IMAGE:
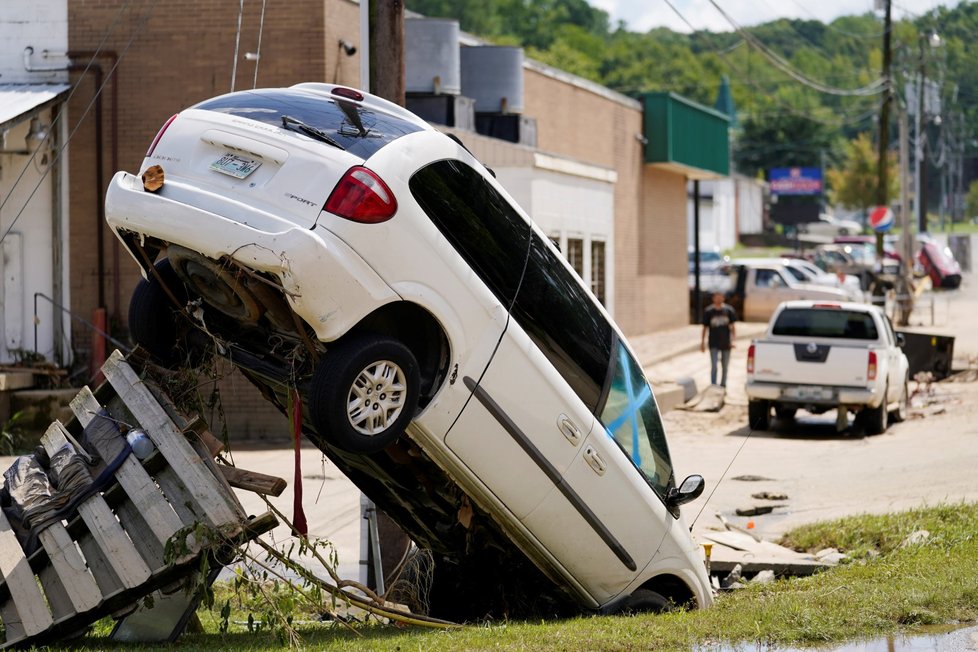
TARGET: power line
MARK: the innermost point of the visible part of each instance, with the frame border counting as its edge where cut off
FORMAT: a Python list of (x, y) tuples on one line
[(877, 87)]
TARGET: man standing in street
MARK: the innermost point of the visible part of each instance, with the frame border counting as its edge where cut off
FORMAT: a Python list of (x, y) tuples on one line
[(718, 321)]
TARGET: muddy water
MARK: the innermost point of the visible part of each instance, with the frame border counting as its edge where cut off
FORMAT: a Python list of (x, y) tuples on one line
[(932, 639)]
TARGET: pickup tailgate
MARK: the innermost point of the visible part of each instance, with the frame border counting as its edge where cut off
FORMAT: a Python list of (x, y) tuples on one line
[(812, 362)]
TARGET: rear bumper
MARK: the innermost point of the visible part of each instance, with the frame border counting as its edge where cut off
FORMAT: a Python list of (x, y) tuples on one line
[(807, 395), (327, 283)]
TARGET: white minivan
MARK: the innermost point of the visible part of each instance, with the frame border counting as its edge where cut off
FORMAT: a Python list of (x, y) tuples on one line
[(337, 248)]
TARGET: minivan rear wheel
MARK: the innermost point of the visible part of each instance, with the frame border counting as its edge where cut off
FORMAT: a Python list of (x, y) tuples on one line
[(156, 323), (364, 393)]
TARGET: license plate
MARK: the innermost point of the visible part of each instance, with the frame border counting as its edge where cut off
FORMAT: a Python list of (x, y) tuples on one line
[(809, 393), (236, 166)]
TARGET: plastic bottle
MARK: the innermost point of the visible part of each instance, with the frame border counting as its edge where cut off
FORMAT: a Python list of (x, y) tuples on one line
[(142, 446)]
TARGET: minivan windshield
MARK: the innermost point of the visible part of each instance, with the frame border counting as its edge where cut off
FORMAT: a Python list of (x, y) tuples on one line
[(348, 125), (631, 418)]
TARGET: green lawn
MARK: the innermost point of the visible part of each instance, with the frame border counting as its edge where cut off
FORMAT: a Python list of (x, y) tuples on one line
[(883, 589)]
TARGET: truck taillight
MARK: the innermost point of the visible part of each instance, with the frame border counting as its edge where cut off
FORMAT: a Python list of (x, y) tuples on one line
[(159, 134), (363, 197), (871, 366), (750, 359)]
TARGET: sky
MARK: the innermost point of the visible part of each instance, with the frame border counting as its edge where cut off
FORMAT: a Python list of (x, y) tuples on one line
[(642, 15)]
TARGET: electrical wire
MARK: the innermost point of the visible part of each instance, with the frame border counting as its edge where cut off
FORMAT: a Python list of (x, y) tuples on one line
[(261, 29), (237, 45), (877, 87)]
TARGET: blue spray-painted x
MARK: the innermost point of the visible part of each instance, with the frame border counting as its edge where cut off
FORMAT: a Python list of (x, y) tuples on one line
[(635, 402)]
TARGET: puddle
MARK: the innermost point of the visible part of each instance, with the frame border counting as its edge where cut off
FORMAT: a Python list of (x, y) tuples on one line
[(941, 638)]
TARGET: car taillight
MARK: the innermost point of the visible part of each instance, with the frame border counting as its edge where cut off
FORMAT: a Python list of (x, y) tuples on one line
[(750, 359), (361, 196), (159, 134), (871, 366)]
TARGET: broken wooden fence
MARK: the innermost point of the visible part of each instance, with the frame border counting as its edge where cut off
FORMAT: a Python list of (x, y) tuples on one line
[(138, 530)]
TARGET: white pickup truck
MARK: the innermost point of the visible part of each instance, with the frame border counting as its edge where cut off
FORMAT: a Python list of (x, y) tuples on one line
[(819, 356)]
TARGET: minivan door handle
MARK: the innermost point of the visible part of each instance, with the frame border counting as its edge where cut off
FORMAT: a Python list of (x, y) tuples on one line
[(594, 460), (569, 428)]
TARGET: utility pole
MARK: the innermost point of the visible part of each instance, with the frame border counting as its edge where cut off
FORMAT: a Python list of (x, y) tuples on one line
[(386, 27), (882, 198)]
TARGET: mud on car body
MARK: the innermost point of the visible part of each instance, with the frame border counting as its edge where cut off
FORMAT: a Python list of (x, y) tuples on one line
[(448, 359)]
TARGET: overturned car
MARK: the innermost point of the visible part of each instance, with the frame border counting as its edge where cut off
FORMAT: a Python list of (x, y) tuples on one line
[(338, 249)]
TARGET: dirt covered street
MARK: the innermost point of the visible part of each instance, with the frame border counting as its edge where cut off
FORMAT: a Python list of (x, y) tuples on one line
[(927, 460)]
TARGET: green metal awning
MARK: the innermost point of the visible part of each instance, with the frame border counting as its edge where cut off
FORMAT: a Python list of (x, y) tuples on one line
[(685, 137)]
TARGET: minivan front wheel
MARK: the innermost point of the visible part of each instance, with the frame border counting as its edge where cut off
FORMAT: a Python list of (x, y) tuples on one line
[(644, 601), (364, 393)]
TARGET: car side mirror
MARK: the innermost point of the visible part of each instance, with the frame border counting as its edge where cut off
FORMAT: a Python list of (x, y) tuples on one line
[(689, 490), (901, 340)]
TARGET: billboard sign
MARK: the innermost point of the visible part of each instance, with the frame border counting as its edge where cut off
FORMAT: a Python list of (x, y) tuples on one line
[(795, 181)]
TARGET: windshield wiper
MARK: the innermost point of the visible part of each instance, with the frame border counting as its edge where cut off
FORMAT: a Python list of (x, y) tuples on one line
[(289, 122)]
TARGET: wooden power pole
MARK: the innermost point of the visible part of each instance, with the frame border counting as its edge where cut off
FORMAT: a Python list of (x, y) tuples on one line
[(386, 28), (882, 197)]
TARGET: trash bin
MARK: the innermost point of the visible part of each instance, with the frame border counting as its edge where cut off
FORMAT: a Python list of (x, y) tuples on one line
[(929, 352)]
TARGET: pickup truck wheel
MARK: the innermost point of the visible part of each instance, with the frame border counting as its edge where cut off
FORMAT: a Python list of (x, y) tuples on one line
[(785, 413), (903, 406), (155, 322), (876, 419), (364, 393), (758, 415)]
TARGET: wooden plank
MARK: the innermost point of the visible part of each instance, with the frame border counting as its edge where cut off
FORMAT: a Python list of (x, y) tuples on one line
[(219, 507), (117, 549), (260, 483), (79, 586), (147, 500), (25, 613)]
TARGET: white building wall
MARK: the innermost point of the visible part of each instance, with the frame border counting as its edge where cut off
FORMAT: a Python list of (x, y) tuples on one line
[(728, 208), (31, 251), (41, 25)]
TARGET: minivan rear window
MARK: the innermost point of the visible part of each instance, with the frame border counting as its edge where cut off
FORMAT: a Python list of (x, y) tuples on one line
[(358, 130), (826, 322)]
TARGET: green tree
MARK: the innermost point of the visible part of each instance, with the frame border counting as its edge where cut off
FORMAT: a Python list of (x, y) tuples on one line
[(855, 184)]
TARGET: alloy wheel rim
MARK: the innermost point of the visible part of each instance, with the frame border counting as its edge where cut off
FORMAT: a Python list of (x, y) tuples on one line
[(377, 397)]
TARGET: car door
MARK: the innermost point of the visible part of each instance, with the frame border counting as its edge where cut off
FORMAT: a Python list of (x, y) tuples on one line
[(533, 407), (608, 518)]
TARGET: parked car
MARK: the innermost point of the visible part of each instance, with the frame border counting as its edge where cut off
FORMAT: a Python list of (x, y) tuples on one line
[(713, 272), (805, 271), (761, 285), (829, 227), (819, 356), (342, 252)]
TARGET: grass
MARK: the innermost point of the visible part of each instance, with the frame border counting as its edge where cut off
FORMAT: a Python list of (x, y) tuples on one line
[(883, 589)]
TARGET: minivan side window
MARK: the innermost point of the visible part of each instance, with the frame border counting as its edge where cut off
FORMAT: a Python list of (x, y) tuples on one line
[(553, 308)]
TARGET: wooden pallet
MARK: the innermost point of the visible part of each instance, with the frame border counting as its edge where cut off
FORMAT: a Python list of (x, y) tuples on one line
[(109, 551)]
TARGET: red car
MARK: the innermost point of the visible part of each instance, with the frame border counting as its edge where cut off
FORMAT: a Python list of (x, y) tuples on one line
[(943, 270)]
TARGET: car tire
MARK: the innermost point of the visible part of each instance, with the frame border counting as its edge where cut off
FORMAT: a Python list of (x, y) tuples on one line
[(155, 322), (644, 601), (364, 393), (759, 415), (785, 413), (903, 405), (875, 420), (843, 231)]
